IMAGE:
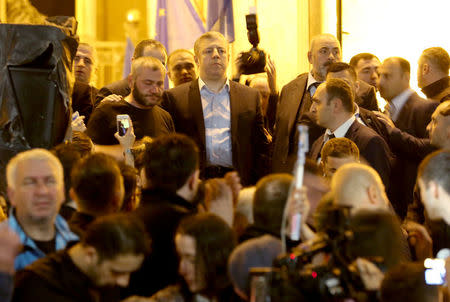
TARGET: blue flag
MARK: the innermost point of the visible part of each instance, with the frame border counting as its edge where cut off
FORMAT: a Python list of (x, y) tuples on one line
[(178, 24), (220, 18)]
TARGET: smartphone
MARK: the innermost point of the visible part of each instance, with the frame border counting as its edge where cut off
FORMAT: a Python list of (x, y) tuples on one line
[(434, 271), (123, 123)]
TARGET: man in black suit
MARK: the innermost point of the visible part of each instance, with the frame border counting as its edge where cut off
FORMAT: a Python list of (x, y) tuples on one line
[(118, 89), (223, 117), (411, 114), (432, 74), (333, 108), (295, 101), (346, 72)]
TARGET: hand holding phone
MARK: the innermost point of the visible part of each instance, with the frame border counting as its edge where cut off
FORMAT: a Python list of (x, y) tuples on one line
[(123, 124)]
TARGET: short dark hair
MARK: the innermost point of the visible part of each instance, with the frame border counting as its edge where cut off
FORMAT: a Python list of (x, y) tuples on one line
[(377, 233), (436, 167), (269, 200), (339, 147), (68, 154), (82, 142), (169, 160), (337, 88), (129, 175), (361, 56), (406, 282), (95, 179), (214, 242), (341, 66), (438, 57), (117, 234), (140, 47), (181, 50)]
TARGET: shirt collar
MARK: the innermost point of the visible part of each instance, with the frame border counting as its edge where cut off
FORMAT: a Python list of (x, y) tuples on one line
[(311, 81), (202, 84), (401, 99), (342, 129)]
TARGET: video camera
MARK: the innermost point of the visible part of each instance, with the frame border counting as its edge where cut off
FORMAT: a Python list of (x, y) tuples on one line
[(254, 60), (295, 278)]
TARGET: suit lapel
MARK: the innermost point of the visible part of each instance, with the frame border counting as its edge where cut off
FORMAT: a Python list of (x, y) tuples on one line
[(235, 109), (350, 134), (195, 104), (402, 119), (297, 99)]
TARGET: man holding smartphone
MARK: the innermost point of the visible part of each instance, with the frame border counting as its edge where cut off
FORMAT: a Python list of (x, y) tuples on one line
[(146, 81)]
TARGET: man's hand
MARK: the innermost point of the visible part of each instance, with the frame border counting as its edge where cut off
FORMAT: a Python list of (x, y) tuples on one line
[(370, 274), (389, 124), (234, 182), (78, 122), (271, 75), (112, 98), (419, 239), (10, 246), (126, 141)]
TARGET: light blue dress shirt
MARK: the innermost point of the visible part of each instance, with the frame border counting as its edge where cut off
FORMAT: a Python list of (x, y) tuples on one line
[(217, 116)]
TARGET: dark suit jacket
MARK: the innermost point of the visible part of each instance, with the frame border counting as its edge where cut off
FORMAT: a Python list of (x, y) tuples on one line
[(372, 148), (412, 119), (83, 98), (248, 140), (415, 115), (292, 104), (119, 87), (366, 97)]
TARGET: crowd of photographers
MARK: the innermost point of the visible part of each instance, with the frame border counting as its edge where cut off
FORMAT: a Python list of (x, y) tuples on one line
[(188, 194)]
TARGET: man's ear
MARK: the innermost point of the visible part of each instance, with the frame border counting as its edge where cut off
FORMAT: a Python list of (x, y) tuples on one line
[(130, 81), (372, 194), (91, 255), (309, 57), (72, 194), (197, 61), (426, 69), (193, 179), (356, 87), (10, 192)]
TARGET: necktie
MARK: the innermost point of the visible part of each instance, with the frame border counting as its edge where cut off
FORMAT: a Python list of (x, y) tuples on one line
[(389, 109), (330, 136)]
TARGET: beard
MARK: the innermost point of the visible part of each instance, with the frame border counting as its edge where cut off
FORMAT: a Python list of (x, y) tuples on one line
[(143, 99)]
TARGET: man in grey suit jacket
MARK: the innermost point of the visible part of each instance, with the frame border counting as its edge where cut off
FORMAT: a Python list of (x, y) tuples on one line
[(223, 117)]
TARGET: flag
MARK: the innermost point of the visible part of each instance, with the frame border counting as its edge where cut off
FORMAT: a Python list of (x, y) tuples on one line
[(129, 51), (178, 24), (220, 18)]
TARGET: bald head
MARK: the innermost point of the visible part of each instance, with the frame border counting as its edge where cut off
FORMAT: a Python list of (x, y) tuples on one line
[(324, 50), (358, 186)]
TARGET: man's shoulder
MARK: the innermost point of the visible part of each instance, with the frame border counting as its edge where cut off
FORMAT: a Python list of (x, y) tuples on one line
[(300, 80), (116, 86), (181, 89)]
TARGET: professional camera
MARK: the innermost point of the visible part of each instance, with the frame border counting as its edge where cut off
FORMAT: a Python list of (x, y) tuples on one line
[(254, 60), (295, 278)]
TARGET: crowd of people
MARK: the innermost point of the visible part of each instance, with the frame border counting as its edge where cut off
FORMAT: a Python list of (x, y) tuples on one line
[(194, 194)]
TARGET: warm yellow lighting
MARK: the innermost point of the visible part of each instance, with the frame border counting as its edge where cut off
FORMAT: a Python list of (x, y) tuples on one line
[(133, 16), (389, 28)]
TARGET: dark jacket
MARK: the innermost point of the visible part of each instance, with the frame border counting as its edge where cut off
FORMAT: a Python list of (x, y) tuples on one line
[(57, 278), (438, 91), (161, 212)]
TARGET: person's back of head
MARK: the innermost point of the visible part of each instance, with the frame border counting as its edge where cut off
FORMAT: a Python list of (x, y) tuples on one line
[(82, 142), (214, 241), (406, 282), (150, 47), (378, 234), (170, 161), (357, 185), (270, 197), (68, 155), (97, 185), (336, 152), (438, 57), (130, 184), (434, 183)]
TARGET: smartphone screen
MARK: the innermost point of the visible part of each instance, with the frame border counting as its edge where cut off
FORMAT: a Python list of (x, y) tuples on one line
[(122, 125), (434, 271)]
